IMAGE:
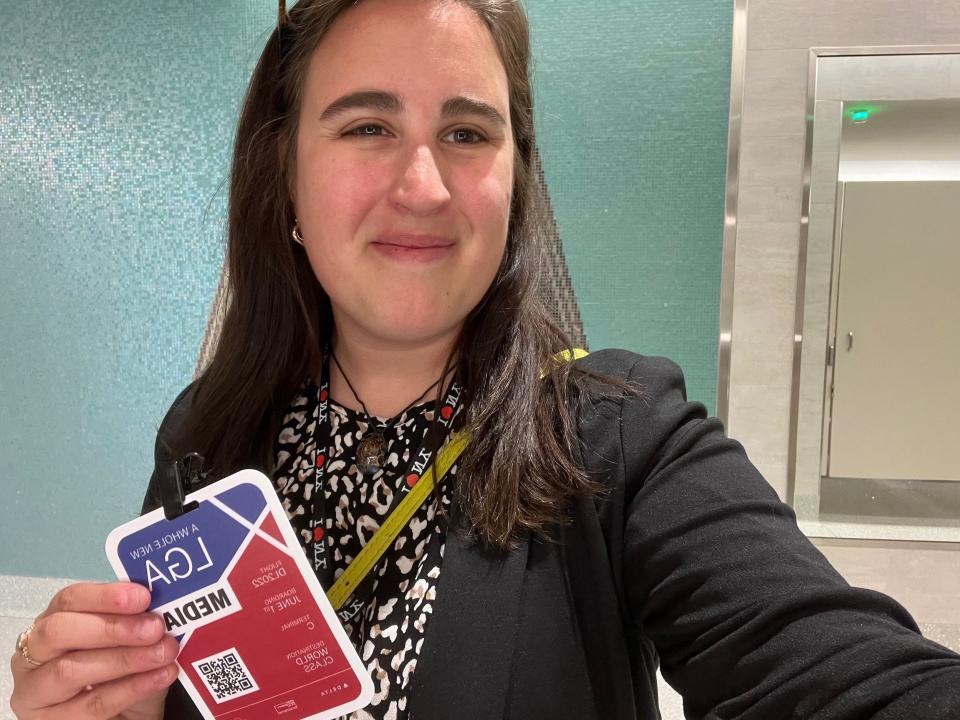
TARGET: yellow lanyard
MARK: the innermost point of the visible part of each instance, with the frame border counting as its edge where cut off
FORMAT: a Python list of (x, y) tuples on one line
[(367, 558)]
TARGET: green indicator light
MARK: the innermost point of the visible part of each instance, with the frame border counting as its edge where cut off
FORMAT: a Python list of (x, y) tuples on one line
[(860, 116)]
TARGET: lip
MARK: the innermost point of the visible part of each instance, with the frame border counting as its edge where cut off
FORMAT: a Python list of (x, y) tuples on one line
[(413, 248), (413, 242)]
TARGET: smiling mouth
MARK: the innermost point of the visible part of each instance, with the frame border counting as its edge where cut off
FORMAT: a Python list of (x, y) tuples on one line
[(416, 249), (413, 242)]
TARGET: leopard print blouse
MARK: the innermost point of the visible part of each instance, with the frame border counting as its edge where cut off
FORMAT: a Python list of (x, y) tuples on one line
[(389, 633)]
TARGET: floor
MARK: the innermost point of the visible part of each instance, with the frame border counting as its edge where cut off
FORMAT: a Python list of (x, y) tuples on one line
[(923, 577)]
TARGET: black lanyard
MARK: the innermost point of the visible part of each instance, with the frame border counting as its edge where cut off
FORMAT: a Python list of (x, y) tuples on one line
[(418, 463)]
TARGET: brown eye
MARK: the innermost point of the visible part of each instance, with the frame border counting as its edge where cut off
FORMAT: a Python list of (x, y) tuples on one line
[(465, 136), (366, 131)]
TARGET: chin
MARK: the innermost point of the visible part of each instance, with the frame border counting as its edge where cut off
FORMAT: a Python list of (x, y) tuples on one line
[(410, 326), (421, 332)]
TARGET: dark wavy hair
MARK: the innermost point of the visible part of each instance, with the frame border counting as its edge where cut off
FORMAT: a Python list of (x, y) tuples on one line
[(518, 473)]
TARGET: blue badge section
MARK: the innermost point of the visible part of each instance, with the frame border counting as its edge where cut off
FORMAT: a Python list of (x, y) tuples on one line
[(246, 500), (179, 557)]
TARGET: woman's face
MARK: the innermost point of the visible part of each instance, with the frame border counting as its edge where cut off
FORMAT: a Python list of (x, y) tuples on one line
[(404, 167)]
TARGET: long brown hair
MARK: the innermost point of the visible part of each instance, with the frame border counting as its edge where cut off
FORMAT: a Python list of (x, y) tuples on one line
[(518, 472)]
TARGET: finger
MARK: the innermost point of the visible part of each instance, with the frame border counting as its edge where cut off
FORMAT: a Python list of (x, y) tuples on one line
[(124, 598), (62, 678), (64, 632), (112, 698)]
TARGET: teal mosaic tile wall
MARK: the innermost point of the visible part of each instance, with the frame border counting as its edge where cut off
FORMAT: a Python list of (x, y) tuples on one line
[(115, 131)]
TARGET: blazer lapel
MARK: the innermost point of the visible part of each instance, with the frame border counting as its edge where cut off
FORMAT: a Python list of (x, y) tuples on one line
[(463, 672)]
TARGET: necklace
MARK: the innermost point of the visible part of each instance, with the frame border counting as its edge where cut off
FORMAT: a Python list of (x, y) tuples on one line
[(418, 465), (373, 447)]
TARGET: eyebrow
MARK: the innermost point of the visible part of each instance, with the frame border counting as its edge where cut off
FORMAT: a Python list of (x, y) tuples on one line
[(373, 99), (461, 105), (384, 101)]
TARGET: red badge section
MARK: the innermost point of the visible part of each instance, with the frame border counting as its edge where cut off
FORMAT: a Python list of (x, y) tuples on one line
[(278, 655)]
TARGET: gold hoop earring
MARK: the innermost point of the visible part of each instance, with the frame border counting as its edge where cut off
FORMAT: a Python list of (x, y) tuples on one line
[(295, 233)]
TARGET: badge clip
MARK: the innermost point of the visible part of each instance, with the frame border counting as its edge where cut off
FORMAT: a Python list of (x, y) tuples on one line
[(186, 474)]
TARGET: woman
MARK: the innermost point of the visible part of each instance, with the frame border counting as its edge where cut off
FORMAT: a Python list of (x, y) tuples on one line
[(383, 254)]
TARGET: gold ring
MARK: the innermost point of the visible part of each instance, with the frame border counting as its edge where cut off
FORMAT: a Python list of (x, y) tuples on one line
[(22, 639)]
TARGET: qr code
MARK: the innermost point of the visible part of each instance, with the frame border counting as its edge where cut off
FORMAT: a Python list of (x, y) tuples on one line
[(225, 675)]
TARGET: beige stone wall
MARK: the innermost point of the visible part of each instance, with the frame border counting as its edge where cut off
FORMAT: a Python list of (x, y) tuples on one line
[(780, 34)]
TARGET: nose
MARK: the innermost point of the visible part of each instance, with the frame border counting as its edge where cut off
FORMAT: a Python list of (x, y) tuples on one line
[(420, 188)]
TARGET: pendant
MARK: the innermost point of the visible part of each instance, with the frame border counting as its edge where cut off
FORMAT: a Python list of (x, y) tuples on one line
[(370, 452)]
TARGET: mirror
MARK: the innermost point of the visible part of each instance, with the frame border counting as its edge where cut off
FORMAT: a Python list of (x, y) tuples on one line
[(877, 441)]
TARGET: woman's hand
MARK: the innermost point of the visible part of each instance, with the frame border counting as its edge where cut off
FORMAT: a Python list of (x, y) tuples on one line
[(100, 656)]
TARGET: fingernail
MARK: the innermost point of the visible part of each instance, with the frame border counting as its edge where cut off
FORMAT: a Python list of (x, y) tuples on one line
[(165, 675), (157, 653), (133, 598), (149, 627)]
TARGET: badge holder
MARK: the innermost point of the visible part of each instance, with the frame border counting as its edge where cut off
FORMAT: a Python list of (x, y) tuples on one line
[(259, 639), (183, 476)]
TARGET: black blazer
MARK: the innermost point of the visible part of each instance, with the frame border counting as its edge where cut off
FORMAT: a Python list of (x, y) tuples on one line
[(689, 558)]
